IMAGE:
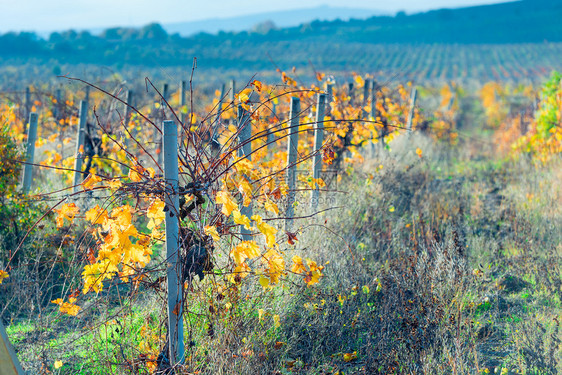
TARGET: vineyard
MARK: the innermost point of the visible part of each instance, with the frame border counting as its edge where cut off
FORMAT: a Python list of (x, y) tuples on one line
[(370, 226)]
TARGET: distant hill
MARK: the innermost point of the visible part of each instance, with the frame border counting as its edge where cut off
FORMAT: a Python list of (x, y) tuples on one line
[(493, 41), (280, 19)]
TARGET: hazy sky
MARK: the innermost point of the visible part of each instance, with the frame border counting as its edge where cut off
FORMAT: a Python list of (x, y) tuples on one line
[(45, 15)]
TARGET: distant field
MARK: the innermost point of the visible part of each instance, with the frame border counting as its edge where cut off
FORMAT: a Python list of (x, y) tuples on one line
[(422, 63)]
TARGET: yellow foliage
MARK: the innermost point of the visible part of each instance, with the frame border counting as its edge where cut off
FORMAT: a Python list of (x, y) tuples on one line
[(67, 211), (271, 207), (245, 250), (275, 265), (67, 307), (3, 275), (241, 219), (227, 201), (267, 230), (155, 212), (97, 215), (211, 230), (90, 181)]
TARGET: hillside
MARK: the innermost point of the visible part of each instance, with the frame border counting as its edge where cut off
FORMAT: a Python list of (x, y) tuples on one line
[(287, 18), (503, 41)]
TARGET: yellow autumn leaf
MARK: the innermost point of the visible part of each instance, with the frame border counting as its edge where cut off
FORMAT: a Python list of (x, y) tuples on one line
[(94, 274), (419, 152), (135, 174), (348, 357), (315, 273), (276, 321), (246, 189), (261, 312), (67, 211), (244, 95), (240, 271), (114, 184), (155, 212), (151, 172), (298, 265), (90, 181), (359, 80), (245, 250), (257, 84), (227, 201), (97, 215), (241, 219), (58, 364), (67, 307), (264, 281), (271, 207), (275, 265), (122, 216), (3, 275), (267, 230), (211, 230)]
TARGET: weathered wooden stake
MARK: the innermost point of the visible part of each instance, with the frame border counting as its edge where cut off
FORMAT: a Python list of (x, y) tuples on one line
[(413, 99), (318, 140), (83, 116), (244, 135), (31, 138), (329, 98), (175, 302), (232, 90), (27, 102), (350, 93), (366, 92), (9, 362), (165, 91), (292, 156)]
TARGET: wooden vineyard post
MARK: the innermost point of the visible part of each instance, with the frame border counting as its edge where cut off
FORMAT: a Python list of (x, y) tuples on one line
[(329, 98), (127, 116), (160, 117), (9, 363), (174, 284), (165, 92), (30, 155), (292, 155), (245, 150), (232, 90), (413, 99), (366, 91), (27, 102), (318, 140), (83, 115), (350, 93), (58, 107)]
